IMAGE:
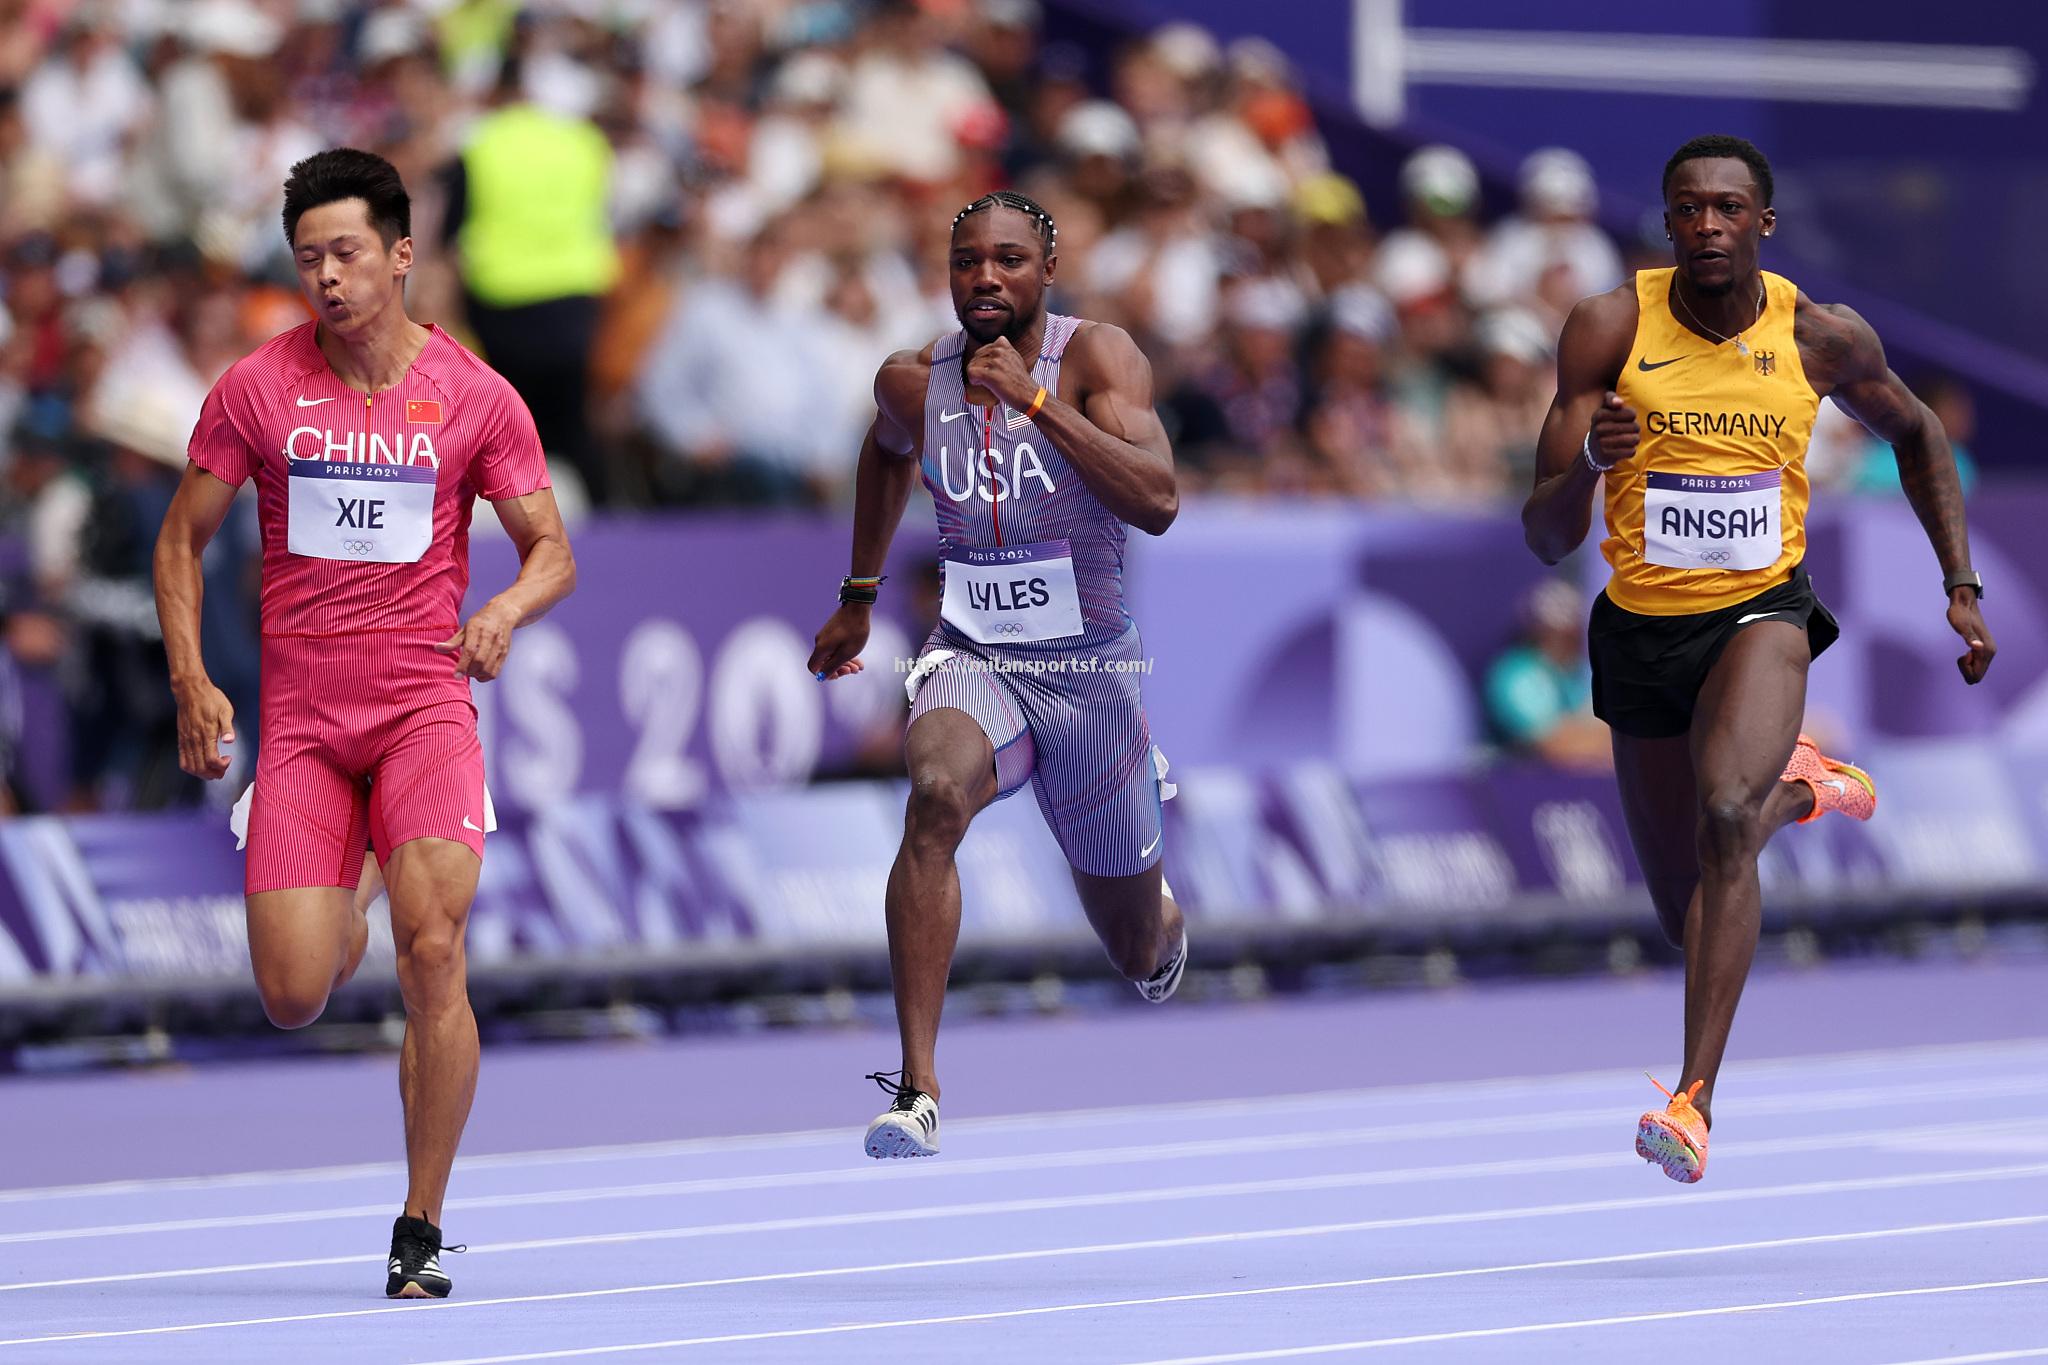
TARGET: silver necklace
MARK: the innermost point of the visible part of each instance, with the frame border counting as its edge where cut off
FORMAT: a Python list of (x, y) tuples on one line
[(1740, 345)]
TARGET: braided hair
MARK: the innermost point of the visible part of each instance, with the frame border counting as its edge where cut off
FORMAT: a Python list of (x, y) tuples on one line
[(1048, 232)]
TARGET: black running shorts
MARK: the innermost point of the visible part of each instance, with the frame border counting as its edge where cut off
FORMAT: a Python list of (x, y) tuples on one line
[(1648, 670)]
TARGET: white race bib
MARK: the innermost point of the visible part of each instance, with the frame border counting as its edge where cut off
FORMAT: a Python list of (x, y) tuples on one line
[(1013, 594), (1707, 521), (380, 513)]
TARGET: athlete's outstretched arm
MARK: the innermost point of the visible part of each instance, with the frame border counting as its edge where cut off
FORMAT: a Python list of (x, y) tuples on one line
[(881, 489), (1114, 439), (547, 574), (205, 719), (1585, 414), (1851, 360)]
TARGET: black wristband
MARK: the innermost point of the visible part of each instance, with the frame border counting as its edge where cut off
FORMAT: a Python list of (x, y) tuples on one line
[(865, 593), (1962, 578)]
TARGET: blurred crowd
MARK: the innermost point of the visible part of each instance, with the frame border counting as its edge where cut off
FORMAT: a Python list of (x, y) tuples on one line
[(690, 230)]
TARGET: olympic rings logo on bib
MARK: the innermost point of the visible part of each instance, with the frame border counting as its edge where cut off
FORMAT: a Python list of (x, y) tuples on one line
[(358, 547)]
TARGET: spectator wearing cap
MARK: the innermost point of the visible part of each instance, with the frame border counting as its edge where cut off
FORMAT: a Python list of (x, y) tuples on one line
[(1552, 251), (1440, 194), (124, 731), (1099, 149), (1539, 691), (1336, 235)]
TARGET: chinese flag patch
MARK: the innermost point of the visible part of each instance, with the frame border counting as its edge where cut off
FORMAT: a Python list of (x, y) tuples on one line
[(422, 410)]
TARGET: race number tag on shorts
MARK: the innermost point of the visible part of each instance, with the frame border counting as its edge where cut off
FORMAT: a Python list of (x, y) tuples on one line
[(1013, 594), (381, 513), (1706, 521)]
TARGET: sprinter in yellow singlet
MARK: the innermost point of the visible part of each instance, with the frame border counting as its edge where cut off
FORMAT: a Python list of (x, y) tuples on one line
[(1692, 391)]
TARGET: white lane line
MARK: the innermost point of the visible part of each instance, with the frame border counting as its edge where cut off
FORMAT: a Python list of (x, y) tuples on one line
[(1982, 1357), (1157, 1244), (1350, 1180), (1503, 1124), (1474, 1093), (1522, 1329), (1247, 1293)]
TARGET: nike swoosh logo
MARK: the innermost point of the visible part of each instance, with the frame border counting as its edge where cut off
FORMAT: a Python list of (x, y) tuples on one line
[(305, 402), (1837, 784), (467, 824), (951, 416), (1757, 616), (1146, 851), (1643, 363)]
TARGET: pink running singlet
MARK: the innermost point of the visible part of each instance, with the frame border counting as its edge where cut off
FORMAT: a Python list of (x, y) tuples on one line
[(364, 500)]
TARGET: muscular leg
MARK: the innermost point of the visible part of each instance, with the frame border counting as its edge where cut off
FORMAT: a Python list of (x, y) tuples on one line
[(301, 945), (432, 882), (1744, 725), (952, 777), (1133, 917)]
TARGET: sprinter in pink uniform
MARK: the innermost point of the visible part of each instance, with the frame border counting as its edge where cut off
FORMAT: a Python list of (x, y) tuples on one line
[(369, 438)]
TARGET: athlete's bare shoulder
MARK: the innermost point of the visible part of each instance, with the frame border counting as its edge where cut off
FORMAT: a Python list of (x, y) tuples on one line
[(1098, 344), (901, 383), (900, 387), (1836, 346), (1596, 339)]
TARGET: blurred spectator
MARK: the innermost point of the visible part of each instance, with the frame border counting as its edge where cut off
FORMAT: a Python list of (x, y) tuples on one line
[(1552, 251), (1539, 692), (1161, 273), (690, 230), (1370, 443), (734, 391), (908, 98), (1490, 426), (1440, 194), (528, 205), (1232, 410), (83, 102), (124, 733)]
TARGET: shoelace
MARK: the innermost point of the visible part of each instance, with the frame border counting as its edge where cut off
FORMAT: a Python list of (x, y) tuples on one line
[(1692, 1093), (904, 1092), (414, 1251)]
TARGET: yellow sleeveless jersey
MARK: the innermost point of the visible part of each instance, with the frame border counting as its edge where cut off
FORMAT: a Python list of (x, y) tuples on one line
[(1711, 509)]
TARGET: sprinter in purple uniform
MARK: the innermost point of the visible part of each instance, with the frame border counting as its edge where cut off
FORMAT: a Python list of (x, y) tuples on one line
[(1036, 435)]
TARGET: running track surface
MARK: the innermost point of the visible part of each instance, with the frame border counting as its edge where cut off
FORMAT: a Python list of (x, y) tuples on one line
[(1433, 1177)]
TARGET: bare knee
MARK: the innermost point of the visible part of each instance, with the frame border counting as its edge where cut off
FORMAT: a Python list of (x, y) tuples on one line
[(1731, 829), (431, 965), (1134, 953), (936, 819), (292, 999)]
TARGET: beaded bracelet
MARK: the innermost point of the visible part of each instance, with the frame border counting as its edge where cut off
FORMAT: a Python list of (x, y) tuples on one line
[(865, 591)]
